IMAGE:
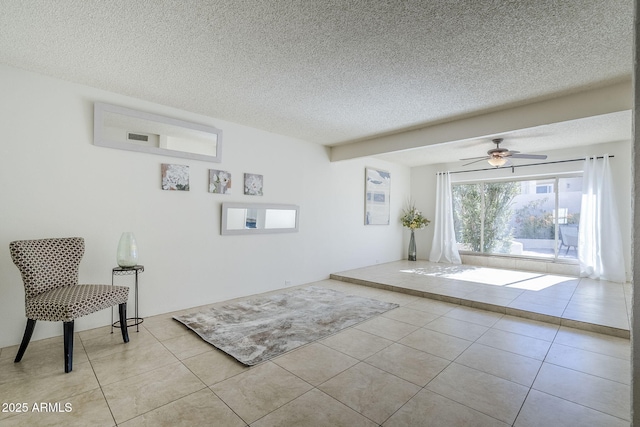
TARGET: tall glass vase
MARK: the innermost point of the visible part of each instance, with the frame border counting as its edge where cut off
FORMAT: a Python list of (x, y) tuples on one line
[(412, 247), (127, 250)]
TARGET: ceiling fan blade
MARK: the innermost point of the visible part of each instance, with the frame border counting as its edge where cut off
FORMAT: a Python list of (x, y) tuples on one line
[(476, 158), (529, 156), (475, 161)]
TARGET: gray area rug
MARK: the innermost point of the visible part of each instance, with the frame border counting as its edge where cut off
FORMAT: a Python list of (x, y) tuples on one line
[(261, 328)]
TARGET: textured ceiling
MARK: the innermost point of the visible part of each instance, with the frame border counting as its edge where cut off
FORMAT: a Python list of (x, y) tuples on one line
[(325, 71)]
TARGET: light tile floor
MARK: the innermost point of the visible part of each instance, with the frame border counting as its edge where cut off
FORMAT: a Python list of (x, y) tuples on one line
[(583, 303), (426, 363)]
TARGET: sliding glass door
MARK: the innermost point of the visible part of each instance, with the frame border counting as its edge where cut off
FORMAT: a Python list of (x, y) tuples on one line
[(533, 218)]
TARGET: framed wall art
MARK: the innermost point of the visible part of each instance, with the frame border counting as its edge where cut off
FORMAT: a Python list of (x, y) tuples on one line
[(219, 182), (377, 192), (175, 177), (253, 184)]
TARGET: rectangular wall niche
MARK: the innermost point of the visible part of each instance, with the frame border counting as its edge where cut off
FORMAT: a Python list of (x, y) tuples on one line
[(259, 218), (127, 129)]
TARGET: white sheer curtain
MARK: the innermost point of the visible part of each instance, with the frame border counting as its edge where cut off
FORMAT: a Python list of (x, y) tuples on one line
[(444, 247), (599, 238)]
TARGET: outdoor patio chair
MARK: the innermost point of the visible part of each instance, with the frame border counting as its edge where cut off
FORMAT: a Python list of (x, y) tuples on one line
[(568, 237)]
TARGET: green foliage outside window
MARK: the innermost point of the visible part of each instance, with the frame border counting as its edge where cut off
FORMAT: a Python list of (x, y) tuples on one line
[(468, 214), (467, 208), (532, 222)]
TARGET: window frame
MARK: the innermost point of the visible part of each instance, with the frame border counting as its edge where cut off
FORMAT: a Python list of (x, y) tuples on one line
[(537, 177)]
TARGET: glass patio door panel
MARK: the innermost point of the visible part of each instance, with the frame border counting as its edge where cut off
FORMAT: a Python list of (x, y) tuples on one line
[(569, 203), (482, 214), (467, 216), (498, 215), (533, 218)]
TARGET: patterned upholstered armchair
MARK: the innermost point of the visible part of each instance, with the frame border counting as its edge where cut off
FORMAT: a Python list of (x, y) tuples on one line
[(49, 269)]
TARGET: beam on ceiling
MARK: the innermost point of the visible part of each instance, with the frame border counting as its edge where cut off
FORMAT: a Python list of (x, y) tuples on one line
[(603, 100)]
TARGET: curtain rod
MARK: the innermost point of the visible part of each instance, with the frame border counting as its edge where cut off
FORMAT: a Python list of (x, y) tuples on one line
[(530, 164)]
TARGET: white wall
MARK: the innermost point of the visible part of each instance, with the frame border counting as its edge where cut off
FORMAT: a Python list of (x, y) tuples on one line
[(347, 216), (423, 183), (56, 183), (423, 194)]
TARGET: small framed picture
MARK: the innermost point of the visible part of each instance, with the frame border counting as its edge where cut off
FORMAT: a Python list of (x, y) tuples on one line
[(219, 182), (175, 177), (253, 184)]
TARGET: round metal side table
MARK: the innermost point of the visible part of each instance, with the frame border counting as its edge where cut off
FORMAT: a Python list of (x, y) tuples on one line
[(125, 271)]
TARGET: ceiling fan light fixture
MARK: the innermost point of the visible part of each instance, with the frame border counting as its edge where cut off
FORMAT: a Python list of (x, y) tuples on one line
[(497, 157), (497, 161)]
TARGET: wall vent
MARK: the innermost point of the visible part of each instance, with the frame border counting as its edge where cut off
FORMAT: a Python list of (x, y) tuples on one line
[(137, 136)]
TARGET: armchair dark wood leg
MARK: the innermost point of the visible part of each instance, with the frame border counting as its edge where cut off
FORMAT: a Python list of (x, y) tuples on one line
[(31, 324), (122, 309), (68, 346)]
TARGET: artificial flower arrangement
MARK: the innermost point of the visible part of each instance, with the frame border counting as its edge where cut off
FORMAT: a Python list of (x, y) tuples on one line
[(412, 218)]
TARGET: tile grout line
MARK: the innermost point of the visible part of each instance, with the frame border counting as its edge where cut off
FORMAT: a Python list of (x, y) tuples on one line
[(424, 388), (106, 401), (396, 341), (553, 341), (536, 376), (578, 324)]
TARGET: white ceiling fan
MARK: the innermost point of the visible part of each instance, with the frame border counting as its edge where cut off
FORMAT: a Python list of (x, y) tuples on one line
[(501, 156)]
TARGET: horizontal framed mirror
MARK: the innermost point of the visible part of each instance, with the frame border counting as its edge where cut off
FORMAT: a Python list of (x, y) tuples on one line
[(259, 218), (133, 130)]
